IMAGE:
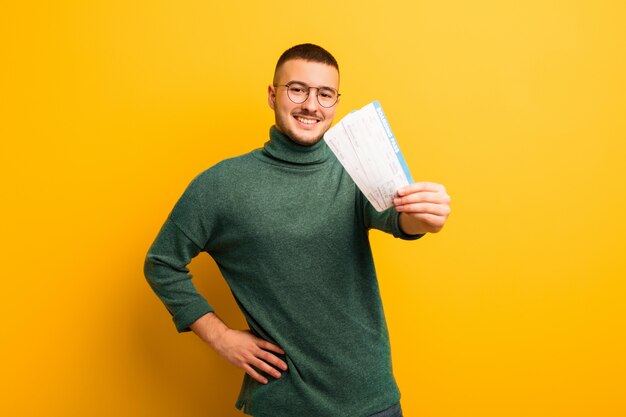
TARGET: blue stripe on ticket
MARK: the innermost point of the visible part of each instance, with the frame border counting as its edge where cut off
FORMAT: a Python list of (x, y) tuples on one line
[(392, 140)]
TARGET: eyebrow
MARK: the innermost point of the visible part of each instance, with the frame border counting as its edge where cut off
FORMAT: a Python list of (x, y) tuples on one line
[(302, 82)]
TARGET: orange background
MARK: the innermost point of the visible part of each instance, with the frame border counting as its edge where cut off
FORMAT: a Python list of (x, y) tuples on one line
[(110, 108)]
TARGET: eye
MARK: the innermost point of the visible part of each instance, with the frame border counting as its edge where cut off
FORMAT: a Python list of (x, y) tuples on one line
[(327, 93), (297, 88)]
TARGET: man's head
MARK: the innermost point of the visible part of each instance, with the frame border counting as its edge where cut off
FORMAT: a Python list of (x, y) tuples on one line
[(304, 118)]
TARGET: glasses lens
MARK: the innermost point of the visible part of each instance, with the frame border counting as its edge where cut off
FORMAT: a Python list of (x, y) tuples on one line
[(327, 96), (297, 92)]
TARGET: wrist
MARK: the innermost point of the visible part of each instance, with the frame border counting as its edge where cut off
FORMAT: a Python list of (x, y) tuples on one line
[(410, 226), (209, 328)]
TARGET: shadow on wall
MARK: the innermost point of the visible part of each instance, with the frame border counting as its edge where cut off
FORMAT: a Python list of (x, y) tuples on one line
[(185, 374)]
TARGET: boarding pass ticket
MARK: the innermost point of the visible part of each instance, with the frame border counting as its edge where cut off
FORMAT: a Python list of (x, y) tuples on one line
[(366, 147)]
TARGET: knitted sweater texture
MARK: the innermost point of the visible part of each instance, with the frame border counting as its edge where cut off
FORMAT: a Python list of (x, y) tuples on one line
[(288, 230)]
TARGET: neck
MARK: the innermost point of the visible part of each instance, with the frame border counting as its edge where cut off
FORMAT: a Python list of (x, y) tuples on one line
[(282, 147)]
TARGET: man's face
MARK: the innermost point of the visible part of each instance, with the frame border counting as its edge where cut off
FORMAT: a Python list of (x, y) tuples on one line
[(304, 123)]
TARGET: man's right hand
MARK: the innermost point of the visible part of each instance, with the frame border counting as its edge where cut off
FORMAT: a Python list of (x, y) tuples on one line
[(241, 348)]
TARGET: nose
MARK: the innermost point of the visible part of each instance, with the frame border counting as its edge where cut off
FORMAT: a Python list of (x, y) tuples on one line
[(310, 104)]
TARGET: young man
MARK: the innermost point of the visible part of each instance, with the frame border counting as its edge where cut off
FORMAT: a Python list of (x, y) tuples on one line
[(288, 229)]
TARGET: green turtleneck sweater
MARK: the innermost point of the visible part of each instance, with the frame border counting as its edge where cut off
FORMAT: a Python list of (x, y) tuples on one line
[(288, 230)]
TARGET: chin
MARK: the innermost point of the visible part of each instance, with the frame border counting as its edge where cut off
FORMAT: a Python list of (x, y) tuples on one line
[(299, 135), (306, 140)]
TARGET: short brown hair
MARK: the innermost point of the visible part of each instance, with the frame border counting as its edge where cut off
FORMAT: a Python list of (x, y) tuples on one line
[(307, 52)]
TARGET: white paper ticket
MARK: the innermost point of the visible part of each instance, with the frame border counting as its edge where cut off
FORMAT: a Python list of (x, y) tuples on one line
[(366, 147)]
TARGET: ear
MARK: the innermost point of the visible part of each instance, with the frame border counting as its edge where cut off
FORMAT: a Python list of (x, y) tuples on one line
[(271, 96)]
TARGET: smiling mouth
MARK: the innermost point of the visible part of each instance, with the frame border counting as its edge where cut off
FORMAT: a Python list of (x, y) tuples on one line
[(306, 121)]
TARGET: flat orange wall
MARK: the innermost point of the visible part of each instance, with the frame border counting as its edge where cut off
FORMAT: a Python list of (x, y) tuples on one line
[(110, 108)]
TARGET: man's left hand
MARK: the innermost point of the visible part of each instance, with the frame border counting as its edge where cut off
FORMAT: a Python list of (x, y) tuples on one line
[(423, 206)]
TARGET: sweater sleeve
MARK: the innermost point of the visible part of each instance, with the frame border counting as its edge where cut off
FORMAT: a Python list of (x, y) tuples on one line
[(387, 221), (166, 270), (181, 238)]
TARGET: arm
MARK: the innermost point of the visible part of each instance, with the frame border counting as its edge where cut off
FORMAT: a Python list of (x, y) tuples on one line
[(240, 348), (423, 207), (167, 273)]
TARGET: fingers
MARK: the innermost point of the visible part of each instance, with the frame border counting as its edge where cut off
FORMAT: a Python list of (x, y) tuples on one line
[(422, 197), (425, 207), (420, 187), (435, 209), (268, 357), (263, 365), (262, 360), (254, 374), (251, 353), (264, 344)]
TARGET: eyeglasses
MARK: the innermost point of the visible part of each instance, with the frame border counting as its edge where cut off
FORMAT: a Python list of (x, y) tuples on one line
[(299, 93)]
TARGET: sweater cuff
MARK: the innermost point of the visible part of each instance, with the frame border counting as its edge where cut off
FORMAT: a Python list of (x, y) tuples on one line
[(399, 233), (186, 316)]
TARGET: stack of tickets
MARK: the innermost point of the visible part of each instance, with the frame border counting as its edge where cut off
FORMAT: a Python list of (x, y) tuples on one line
[(366, 147)]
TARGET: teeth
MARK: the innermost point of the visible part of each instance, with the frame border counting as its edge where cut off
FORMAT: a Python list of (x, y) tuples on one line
[(306, 121)]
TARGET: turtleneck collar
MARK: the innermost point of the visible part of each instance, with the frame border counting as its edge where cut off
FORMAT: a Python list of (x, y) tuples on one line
[(282, 148)]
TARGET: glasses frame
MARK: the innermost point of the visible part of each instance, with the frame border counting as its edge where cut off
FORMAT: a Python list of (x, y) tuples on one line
[(308, 93)]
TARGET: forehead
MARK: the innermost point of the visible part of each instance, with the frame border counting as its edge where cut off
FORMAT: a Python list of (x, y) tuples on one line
[(312, 73)]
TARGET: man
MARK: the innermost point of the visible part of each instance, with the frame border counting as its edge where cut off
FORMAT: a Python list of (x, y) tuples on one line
[(288, 229)]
